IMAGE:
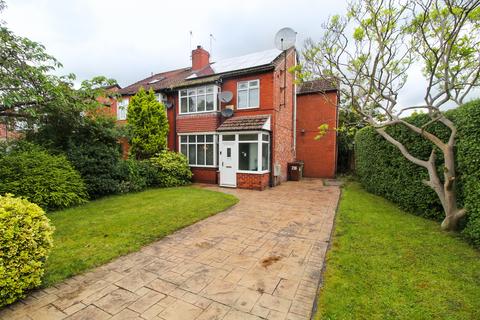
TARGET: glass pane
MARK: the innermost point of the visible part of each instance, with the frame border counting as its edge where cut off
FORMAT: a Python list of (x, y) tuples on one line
[(242, 99), (248, 137), (210, 105), (200, 154), (243, 85), (265, 157), (210, 89), (201, 91), (183, 149), (183, 138), (253, 98), (248, 156), (183, 92), (201, 103), (201, 138), (192, 154), (265, 137), (191, 138), (230, 137), (183, 105), (209, 153), (229, 152), (192, 104), (192, 92), (209, 137), (253, 83)]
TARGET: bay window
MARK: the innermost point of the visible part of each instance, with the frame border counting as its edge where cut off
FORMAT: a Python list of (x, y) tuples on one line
[(199, 149), (254, 152), (200, 99), (248, 94)]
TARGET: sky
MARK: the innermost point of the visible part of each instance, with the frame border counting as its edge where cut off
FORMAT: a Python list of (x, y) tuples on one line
[(129, 40)]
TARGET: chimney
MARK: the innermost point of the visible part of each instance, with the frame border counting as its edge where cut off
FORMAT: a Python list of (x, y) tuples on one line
[(200, 58)]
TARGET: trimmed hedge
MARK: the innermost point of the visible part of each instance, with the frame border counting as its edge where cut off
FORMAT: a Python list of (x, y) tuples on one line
[(384, 171), (25, 242), (47, 180)]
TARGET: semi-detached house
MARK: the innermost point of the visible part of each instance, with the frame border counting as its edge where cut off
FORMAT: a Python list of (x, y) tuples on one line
[(274, 121)]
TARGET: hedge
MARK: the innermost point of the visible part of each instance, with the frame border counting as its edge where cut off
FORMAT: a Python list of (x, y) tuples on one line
[(384, 171)]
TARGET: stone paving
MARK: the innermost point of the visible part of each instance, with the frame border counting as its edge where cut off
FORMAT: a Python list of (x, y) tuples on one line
[(261, 259)]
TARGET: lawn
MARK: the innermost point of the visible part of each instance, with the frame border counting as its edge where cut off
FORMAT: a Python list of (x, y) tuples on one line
[(387, 264), (95, 233)]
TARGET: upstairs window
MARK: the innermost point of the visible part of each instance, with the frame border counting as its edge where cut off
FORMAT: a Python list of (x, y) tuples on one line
[(248, 94), (200, 99), (122, 108)]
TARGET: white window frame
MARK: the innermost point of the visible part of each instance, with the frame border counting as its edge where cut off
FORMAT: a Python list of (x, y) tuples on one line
[(122, 108), (260, 143), (215, 145), (215, 98), (248, 93)]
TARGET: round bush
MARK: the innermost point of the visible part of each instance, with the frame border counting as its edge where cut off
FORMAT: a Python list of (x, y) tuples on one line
[(47, 180), (25, 241), (172, 169)]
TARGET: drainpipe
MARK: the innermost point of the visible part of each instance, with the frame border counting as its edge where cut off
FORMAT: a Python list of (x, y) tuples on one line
[(295, 109)]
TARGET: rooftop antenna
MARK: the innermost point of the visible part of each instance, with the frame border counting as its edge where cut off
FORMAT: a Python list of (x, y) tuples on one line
[(284, 40), (191, 36), (212, 38)]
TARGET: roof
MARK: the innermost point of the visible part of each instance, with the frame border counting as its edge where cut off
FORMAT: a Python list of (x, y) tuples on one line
[(320, 85), (243, 123), (254, 62)]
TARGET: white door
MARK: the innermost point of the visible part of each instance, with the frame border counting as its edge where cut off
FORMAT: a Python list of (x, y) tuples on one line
[(228, 163)]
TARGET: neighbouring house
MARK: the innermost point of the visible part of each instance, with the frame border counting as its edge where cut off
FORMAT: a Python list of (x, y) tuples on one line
[(240, 121)]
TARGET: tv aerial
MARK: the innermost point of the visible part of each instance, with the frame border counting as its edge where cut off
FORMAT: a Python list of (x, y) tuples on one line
[(227, 113), (225, 96), (285, 38)]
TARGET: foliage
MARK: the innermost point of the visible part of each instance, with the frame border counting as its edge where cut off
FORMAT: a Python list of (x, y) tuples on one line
[(93, 234), (131, 176), (47, 180), (172, 169), (386, 264), (25, 242), (383, 170), (147, 125)]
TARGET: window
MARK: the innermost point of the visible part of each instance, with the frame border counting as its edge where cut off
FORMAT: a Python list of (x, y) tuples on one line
[(201, 99), (122, 108), (248, 94), (253, 152), (199, 149)]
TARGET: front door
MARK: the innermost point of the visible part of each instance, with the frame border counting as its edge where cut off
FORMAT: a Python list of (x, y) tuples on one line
[(228, 164)]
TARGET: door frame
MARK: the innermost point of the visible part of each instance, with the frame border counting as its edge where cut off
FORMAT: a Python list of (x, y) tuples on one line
[(221, 146)]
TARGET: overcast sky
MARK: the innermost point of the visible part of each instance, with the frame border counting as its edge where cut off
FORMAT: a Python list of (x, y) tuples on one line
[(129, 39)]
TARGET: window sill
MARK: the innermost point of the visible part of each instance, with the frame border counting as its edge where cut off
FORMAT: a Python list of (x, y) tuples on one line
[(194, 113), (253, 172), (248, 108), (201, 166)]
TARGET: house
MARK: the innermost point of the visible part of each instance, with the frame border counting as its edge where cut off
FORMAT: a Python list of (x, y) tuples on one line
[(240, 121)]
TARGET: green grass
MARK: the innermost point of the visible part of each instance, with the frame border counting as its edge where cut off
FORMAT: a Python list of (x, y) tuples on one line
[(387, 264), (95, 233)]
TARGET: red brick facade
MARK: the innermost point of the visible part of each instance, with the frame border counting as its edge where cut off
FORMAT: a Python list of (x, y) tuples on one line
[(319, 156), (204, 175), (206, 122), (253, 181)]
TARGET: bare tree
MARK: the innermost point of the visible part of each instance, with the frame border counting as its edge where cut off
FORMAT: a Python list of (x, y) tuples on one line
[(371, 50)]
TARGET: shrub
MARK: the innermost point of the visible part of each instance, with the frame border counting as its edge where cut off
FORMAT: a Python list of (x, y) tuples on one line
[(172, 169), (25, 241), (47, 180), (130, 176), (383, 170)]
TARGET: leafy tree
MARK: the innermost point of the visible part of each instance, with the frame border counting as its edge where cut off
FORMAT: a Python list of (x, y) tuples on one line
[(371, 50), (147, 125)]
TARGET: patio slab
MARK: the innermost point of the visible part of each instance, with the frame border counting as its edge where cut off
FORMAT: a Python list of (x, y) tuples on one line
[(261, 259)]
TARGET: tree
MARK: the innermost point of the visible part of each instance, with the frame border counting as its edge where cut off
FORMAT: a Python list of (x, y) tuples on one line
[(371, 50), (147, 125)]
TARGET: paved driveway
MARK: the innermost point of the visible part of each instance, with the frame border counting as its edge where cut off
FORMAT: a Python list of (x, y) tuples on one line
[(261, 259)]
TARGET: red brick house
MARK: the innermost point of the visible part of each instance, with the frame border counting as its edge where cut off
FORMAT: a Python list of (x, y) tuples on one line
[(273, 122)]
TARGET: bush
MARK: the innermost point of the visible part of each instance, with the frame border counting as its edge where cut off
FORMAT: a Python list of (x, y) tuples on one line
[(171, 169), (25, 241), (47, 180), (383, 170), (131, 176)]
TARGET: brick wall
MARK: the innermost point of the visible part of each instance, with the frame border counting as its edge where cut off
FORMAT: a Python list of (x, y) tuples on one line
[(204, 175), (204, 122), (319, 155), (252, 181)]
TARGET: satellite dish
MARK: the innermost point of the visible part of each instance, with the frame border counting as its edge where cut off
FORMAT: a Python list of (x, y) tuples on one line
[(168, 104), (227, 113), (225, 96), (285, 38)]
